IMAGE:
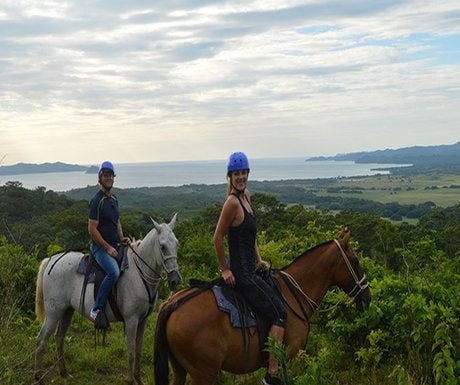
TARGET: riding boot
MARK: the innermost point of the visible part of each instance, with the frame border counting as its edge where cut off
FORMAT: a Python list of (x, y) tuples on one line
[(270, 380)]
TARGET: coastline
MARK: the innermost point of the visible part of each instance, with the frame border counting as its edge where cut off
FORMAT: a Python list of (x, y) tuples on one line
[(134, 175)]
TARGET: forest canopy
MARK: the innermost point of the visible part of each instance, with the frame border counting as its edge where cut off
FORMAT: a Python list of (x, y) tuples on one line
[(409, 335)]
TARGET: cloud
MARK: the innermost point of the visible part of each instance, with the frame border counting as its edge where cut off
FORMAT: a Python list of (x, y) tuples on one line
[(206, 72)]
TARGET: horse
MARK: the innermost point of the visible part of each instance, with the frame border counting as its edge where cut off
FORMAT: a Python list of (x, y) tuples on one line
[(199, 340), (59, 291)]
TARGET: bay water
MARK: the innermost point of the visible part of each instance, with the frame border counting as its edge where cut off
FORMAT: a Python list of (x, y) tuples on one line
[(154, 174)]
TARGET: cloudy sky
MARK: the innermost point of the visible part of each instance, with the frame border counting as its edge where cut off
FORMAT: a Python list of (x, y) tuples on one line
[(145, 80)]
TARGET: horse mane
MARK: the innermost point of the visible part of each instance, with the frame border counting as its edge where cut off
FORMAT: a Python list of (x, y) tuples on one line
[(305, 253)]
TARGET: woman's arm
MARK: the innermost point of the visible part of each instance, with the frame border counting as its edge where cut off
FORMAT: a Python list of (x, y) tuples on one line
[(226, 218), (259, 261)]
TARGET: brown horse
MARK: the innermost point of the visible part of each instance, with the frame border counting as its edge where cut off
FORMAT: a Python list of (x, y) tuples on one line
[(199, 340)]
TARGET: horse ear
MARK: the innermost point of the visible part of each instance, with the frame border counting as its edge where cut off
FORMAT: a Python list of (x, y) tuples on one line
[(156, 225), (173, 221), (344, 236)]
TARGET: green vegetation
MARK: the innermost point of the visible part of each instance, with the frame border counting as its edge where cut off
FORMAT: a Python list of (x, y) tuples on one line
[(390, 196), (409, 335)]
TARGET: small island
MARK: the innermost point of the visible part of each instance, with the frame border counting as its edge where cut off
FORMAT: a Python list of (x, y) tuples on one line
[(30, 168)]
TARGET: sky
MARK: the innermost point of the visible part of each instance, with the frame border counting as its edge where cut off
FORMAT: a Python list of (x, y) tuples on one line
[(143, 80)]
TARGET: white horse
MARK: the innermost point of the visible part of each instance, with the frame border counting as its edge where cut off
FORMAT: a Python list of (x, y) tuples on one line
[(59, 289)]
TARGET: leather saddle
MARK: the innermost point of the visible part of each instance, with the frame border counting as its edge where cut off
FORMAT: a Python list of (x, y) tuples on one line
[(242, 315), (94, 273)]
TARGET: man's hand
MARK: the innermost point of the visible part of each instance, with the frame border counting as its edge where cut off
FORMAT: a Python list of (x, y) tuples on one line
[(112, 251)]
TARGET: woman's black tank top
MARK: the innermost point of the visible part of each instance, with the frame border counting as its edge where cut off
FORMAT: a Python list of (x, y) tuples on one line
[(241, 241)]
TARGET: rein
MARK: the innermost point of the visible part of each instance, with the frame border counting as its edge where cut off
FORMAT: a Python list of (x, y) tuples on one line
[(148, 279), (294, 287)]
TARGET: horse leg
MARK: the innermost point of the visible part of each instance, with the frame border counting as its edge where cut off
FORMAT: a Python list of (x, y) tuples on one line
[(131, 326), (137, 357), (48, 327), (207, 379), (64, 324), (179, 372), (204, 374)]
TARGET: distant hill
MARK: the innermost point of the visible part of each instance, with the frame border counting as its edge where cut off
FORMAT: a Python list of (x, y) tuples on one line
[(419, 156), (30, 168)]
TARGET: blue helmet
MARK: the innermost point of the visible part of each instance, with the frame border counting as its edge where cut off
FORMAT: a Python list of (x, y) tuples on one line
[(237, 161), (106, 165)]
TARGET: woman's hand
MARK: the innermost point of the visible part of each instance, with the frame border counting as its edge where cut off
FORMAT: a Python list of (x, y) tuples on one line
[(263, 264), (228, 277)]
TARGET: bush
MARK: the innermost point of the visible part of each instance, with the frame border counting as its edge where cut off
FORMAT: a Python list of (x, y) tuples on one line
[(17, 281)]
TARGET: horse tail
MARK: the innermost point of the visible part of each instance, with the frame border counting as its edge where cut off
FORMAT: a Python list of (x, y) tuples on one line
[(161, 350), (39, 299)]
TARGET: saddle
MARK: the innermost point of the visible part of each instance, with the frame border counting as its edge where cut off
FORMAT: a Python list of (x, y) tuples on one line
[(240, 312), (93, 273)]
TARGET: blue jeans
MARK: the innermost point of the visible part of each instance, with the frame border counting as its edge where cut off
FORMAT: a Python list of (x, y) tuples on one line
[(110, 266)]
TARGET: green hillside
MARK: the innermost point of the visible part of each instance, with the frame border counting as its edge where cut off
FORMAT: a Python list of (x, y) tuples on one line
[(409, 335)]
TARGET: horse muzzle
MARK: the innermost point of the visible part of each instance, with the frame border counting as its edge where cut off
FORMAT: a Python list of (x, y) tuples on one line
[(363, 300), (174, 279)]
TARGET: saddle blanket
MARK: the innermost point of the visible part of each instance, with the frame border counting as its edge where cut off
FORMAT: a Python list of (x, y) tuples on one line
[(236, 319)]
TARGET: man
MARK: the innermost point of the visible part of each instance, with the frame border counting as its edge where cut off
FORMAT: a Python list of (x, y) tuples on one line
[(106, 232)]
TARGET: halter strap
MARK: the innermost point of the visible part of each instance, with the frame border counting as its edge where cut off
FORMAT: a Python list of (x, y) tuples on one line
[(360, 284), (242, 205), (157, 276)]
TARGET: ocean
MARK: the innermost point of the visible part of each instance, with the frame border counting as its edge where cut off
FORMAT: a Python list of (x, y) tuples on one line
[(198, 172)]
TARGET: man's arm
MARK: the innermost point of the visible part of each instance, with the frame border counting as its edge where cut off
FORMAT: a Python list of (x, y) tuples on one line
[(97, 237)]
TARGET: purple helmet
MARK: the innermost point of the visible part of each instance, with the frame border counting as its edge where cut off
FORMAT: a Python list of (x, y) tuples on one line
[(237, 161)]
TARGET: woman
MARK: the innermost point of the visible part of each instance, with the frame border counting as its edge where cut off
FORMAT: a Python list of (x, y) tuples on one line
[(237, 219)]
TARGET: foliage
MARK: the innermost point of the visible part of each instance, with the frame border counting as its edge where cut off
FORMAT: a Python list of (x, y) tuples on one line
[(17, 281), (281, 353), (412, 317), (409, 335)]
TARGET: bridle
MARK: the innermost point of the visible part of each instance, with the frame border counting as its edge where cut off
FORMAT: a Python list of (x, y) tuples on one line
[(360, 284), (147, 277), (294, 287), (165, 258)]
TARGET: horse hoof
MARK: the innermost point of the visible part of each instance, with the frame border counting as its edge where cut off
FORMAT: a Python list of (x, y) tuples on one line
[(66, 375)]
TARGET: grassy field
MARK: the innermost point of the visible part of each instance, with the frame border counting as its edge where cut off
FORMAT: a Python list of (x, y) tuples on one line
[(443, 190), (86, 362)]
